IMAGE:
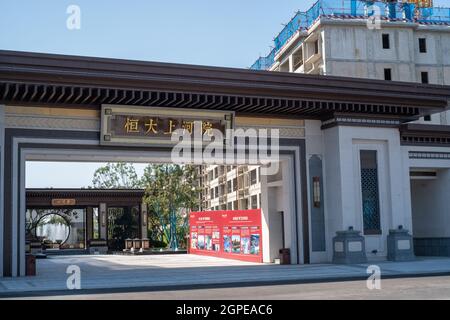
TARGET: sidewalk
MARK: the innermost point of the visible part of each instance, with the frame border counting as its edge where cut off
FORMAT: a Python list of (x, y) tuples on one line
[(123, 273)]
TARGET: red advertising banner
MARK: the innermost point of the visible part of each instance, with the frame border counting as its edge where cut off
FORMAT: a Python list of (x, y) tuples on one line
[(233, 234)]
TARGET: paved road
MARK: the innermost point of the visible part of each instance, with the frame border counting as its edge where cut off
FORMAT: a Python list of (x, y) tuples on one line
[(128, 273), (406, 288)]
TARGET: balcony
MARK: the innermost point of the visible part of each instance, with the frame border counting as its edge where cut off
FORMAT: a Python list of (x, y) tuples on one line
[(314, 58), (298, 66), (242, 169), (244, 193)]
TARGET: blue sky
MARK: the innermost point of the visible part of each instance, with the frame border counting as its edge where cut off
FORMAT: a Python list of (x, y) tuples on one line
[(231, 33), (212, 32), (64, 174)]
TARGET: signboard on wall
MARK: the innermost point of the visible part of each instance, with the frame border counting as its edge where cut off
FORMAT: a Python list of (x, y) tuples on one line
[(233, 234), (144, 126), (63, 202)]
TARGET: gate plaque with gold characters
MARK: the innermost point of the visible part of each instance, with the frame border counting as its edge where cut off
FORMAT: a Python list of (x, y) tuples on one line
[(150, 126), (63, 202)]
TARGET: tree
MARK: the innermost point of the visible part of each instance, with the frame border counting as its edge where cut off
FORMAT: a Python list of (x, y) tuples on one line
[(116, 176), (123, 224), (171, 192)]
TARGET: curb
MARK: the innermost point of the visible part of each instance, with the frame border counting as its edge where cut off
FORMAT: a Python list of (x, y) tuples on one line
[(24, 294)]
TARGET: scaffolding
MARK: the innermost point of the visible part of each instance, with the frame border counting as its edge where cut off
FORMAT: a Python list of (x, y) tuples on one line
[(420, 11), (421, 3), (264, 63)]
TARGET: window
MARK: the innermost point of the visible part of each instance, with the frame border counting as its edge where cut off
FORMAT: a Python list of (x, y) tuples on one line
[(316, 47), (386, 41), (235, 184), (388, 74), (369, 192), (216, 172), (254, 201), (253, 177), (211, 193), (424, 77), (235, 205), (230, 206), (229, 187), (427, 118), (244, 204), (216, 192), (422, 45)]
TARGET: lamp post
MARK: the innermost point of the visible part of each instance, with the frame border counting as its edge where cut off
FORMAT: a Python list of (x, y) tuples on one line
[(173, 228)]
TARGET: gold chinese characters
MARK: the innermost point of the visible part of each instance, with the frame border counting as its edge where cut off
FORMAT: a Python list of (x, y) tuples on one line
[(157, 126)]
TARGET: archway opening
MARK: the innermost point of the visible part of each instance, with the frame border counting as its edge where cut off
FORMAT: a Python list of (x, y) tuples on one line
[(223, 188)]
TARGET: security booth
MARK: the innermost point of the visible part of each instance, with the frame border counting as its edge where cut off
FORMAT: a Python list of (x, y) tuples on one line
[(63, 221)]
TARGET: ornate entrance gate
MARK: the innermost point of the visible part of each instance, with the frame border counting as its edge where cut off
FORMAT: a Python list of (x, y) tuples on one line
[(51, 110)]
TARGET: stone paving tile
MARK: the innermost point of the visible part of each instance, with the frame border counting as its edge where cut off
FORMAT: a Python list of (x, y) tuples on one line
[(113, 271)]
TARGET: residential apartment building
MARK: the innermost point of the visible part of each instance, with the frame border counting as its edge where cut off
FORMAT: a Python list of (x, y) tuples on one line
[(230, 187), (410, 43), (400, 42)]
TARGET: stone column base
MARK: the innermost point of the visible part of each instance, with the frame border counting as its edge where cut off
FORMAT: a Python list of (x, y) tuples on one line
[(400, 245), (98, 247), (98, 250), (349, 247)]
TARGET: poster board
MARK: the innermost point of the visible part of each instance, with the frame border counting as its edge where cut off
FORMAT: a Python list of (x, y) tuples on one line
[(232, 234)]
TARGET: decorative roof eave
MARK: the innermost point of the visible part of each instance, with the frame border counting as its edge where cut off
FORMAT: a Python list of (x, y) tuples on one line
[(425, 135), (84, 193), (31, 78)]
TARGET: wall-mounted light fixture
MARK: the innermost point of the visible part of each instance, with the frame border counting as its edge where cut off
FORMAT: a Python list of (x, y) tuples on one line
[(316, 192)]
